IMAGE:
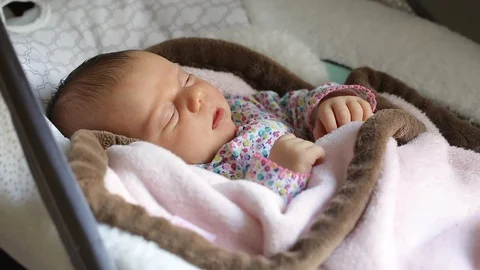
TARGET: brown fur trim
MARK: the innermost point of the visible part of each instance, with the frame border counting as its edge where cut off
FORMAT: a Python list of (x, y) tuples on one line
[(108, 139), (256, 69), (89, 160)]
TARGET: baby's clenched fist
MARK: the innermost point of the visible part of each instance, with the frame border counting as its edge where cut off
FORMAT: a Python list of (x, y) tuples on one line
[(296, 154), (335, 112)]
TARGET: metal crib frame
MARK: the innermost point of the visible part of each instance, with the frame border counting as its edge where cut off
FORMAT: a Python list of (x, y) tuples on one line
[(58, 188)]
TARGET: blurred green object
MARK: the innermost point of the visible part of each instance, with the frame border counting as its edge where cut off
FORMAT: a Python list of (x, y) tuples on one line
[(337, 73)]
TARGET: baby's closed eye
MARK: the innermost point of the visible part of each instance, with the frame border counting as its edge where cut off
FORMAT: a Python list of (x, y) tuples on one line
[(190, 80), (168, 113), (172, 112)]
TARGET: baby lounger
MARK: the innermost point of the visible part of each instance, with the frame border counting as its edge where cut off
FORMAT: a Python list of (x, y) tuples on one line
[(67, 35)]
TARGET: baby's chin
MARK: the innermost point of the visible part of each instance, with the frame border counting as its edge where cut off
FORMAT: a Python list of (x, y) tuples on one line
[(208, 153)]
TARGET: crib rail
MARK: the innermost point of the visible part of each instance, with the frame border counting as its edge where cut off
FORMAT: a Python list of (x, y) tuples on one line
[(57, 186)]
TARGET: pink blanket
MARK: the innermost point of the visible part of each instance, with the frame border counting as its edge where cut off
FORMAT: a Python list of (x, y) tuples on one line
[(424, 213)]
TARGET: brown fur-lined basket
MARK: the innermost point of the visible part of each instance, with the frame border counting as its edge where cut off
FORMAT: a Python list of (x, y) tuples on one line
[(88, 160)]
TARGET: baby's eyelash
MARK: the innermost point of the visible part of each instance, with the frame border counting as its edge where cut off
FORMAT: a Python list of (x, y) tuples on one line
[(190, 76), (169, 118), (175, 111)]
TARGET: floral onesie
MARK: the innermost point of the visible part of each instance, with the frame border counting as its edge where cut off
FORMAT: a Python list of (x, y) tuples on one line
[(261, 119)]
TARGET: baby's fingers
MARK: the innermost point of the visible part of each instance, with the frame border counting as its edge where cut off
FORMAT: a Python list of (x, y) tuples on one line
[(303, 144), (367, 109), (317, 154), (342, 113), (318, 130), (327, 118), (356, 110)]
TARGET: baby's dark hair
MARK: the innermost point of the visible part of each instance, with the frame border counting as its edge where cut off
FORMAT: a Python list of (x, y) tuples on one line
[(82, 89)]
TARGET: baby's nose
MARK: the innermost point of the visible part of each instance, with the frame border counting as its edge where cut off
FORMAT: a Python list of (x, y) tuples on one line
[(195, 99)]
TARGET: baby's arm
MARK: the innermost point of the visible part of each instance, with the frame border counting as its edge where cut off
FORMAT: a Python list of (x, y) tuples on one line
[(287, 169), (299, 107)]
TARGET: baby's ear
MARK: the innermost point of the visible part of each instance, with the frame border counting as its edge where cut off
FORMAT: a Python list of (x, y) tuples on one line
[(108, 139)]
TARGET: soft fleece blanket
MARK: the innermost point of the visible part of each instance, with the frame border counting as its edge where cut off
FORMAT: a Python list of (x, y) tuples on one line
[(372, 149), (425, 213)]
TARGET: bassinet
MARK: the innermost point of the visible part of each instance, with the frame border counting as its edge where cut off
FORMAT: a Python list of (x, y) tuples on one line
[(456, 60)]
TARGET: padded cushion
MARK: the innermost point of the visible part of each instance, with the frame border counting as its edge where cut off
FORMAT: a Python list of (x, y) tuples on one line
[(442, 64), (68, 32)]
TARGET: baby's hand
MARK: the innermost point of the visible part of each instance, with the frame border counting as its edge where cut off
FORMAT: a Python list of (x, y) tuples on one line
[(338, 111), (296, 154)]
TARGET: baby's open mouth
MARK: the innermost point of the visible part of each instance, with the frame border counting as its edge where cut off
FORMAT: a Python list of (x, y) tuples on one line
[(218, 117)]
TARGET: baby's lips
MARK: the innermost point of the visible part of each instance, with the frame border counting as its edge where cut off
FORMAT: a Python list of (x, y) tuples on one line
[(218, 117)]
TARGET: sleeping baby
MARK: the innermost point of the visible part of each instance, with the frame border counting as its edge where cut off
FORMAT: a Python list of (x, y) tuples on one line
[(263, 137)]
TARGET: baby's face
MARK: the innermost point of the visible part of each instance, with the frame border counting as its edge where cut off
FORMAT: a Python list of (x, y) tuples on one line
[(160, 103)]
